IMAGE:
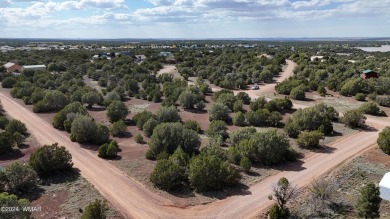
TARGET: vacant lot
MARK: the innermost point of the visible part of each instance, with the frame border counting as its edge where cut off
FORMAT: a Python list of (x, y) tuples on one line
[(348, 179)]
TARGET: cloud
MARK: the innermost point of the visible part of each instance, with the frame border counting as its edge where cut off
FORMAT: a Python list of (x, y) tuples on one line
[(312, 3), (90, 14), (4, 3)]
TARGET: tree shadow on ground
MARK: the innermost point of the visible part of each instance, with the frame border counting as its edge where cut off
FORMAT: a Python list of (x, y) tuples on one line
[(294, 166), (97, 108), (195, 111), (308, 99), (238, 190), (14, 155), (341, 208), (129, 122), (368, 128), (23, 146), (32, 195), (336, 134), (125, 135), (324, 149), (61, 177), (186, 191), (56, 178), (90, 146), (117, 157)]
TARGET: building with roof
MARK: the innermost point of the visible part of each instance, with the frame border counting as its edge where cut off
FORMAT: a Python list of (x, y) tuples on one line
[(367, 74), (12, 67), (140, 58), (34, 67), (166, 54)]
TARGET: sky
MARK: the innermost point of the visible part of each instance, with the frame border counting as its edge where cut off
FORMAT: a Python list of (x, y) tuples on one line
[(112, 19)]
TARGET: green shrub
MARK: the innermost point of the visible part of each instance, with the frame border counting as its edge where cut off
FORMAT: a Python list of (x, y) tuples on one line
[(149, 127), (51, 158), (167, 175), (108, 151), (139, 139), (193, 125), (218, 111), (117, 110), (95, 210), (167, 114), (239, 119), (141, 118), (384, 140), (150, 155), (118, 128), (277, 213), (210, 172), (309, 139), (3, 122), (16, 126), (372, 109), (360, 97), (298, 93), (8, 82), (354, 118), (217, 128), (245, 164)]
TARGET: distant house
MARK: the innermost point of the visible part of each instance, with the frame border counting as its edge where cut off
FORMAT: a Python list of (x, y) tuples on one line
[(367, 74), (166, 54), (315, 58), (34, 67), (126, 53), (140, 58), (12, 67)]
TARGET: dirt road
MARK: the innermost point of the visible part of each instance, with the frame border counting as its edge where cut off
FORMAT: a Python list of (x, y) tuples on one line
[(135, 201), (287, 72), (128, 196), (169, 69)]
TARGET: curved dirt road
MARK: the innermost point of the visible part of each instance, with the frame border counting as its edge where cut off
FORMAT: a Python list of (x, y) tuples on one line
[(135, 201), (130, 197), (287, 72)]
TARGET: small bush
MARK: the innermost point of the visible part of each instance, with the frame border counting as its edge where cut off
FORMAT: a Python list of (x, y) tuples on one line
[(245, 164), (239, 119), (383, 100), (108, 151), (354, 118), (372, 109), (384, 140), (139, 139), (95, 210), (118, 128), (360, 97), (298, 93), (309, 139), (3, 122), (149, 127), (150, 155), (141, 118), (8, 82), (193, 125)]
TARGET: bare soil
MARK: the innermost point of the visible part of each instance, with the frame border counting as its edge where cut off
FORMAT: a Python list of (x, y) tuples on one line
[(349, 178), (66, 196)]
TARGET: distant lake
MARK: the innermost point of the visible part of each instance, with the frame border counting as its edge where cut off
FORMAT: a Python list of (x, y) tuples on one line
[(383, 48)]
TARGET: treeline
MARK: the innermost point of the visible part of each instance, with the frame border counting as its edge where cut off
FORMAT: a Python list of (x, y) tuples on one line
[(338, 74), (231, 67)]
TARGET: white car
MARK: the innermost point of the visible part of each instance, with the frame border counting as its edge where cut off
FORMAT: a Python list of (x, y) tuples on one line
[(255, 87)]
